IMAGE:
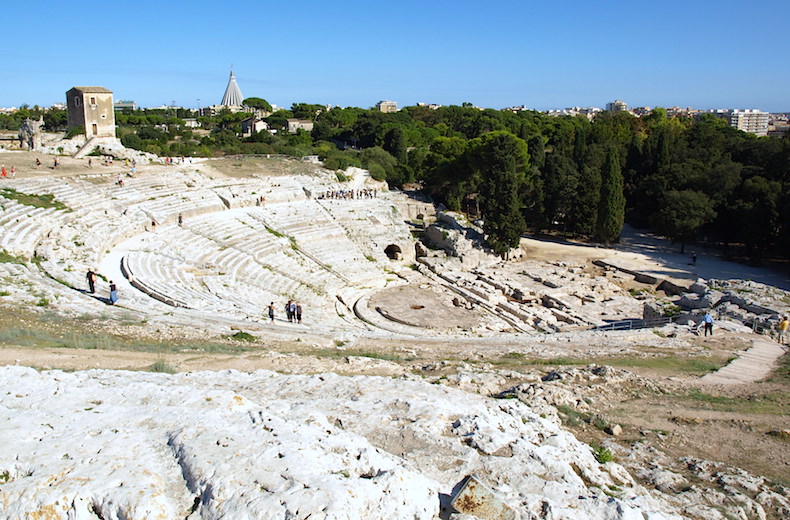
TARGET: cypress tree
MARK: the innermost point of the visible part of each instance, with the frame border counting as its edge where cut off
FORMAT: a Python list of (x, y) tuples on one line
[(502, 159), (611, 208)]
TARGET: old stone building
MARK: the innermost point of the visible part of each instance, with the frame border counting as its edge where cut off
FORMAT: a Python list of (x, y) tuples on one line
[(92, 108)]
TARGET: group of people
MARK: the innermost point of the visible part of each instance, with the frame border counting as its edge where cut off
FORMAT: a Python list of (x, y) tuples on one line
[(348, 194), (4, 173), (91, 277), (293, 311), (170, 161)]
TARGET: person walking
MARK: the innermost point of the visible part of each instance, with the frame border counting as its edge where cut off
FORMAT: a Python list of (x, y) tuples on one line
[(113, 293), (91, 277), (292, 309), (781, 328), (271, 312), (288, 314), (3, 172), (707, 321), (298, 312)]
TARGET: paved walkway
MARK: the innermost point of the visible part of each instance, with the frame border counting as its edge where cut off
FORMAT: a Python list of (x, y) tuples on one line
[(752, 365)]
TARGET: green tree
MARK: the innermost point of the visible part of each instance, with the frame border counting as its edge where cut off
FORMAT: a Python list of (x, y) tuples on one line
[(259, 103), (758, 214), (682, 214), (395, 143), (611, 208), (379, 162), (502, 160), (307, 110)]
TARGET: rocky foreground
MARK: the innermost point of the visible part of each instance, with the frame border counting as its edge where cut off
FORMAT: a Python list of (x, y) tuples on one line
[(133, 445)]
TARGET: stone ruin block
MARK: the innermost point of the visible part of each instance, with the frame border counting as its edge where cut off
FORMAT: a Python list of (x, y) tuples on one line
[(475, 498)]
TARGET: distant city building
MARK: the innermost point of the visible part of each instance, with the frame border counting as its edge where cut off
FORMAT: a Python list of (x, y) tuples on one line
[(121, 105), (432, 106), (778, 125), (92, 108), (522, 108), (191, 122), (588, 112), (618, 105), (253, 125), (387, 106), (299, 124), (641, 111), (751, 120)]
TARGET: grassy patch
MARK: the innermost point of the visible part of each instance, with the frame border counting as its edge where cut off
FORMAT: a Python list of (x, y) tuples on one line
[(44, 337), (162, 366), (782, 372), (8, 258), (274, 232), (669, 364), (572, 417), (773, 403), (243, 336), (37, 201), (337, 354)]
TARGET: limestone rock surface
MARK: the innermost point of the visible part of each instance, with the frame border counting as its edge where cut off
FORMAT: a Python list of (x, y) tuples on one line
[(210, 445)]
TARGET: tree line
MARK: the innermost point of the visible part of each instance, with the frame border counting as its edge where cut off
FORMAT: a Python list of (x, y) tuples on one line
[(689, 179)]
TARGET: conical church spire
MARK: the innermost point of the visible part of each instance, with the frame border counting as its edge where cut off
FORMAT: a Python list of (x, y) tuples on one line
[(232, 97)]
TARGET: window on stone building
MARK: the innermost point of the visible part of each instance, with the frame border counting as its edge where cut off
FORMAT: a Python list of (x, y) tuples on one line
[(93, 100)]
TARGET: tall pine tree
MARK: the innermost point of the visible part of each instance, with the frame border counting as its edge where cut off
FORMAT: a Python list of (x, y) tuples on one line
[(502, 160), (611, 208)]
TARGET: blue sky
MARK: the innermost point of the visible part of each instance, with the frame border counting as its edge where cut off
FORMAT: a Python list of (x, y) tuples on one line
[(556, 54)]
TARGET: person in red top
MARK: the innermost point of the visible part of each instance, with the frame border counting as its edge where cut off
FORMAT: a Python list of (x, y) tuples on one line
[(3, 172)]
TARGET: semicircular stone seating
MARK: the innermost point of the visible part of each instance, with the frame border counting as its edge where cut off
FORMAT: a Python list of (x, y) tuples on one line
[(233, 254)]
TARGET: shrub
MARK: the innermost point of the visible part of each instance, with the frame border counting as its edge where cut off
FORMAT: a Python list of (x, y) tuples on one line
[(162, 366), (601, 454), (75, 130)]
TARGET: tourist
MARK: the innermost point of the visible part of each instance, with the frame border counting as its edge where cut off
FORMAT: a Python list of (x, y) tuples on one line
[(781, 328), (271, 312), (3, 172), (38, 162), (13, 172), (113, 293), (153, 226), (180, 220), (288, 314), (55, 163), (91, 277), (707, 321), (90, 162), (298, 312), (120, 180), (292, 310)]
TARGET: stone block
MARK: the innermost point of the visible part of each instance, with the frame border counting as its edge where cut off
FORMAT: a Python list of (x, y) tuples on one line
[(475, 498)]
